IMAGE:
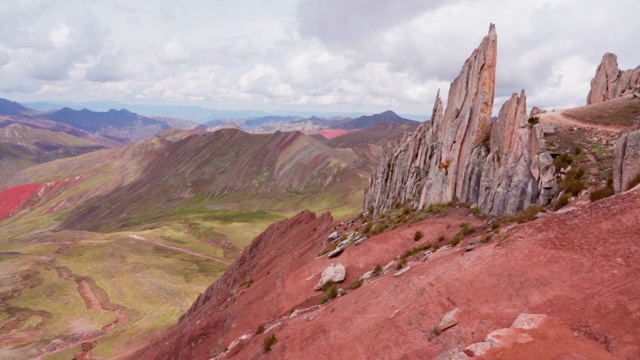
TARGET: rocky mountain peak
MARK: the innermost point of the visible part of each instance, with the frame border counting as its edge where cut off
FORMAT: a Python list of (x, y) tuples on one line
[(462, 154), (610, 82)]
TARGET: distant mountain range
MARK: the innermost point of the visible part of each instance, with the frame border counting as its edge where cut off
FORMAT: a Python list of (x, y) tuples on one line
[(196, 113), (125, 125), (313, 124), (29, 136)]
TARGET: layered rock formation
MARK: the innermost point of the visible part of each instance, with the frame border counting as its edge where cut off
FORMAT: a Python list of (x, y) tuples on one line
[(501, 166), (610, 82), (626, 165)]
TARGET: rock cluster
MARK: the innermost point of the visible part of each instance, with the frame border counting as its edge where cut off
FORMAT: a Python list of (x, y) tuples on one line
[(502, 166), (610, 82), (518, 333), (626, 165)]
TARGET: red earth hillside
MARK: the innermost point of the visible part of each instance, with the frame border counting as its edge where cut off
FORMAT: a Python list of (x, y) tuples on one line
[(20, 197), (581, 269)]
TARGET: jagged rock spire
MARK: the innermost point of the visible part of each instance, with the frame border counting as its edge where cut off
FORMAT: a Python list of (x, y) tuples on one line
[(610, 82)]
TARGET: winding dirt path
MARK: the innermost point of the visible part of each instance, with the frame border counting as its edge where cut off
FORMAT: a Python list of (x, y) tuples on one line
[(88, 340), (560, 119), (186, 251)]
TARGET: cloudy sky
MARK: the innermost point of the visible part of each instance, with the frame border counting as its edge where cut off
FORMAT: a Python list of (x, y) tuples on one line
[(321, 55)]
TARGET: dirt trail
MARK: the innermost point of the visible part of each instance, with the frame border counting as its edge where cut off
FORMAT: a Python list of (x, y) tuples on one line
[(88, 340), (187, 251), (560, 119)]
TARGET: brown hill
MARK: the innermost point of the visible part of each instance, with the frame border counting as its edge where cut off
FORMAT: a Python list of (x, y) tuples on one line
[(22, 146), (379, 134), (231, 168)]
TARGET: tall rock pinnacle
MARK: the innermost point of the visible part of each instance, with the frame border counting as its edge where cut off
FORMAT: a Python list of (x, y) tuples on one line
[(503, 167), (610, 82)]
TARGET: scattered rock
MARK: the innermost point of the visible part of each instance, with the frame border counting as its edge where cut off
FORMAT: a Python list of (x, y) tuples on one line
[(528, 321), (477, 349), (333, 236), (334, 272), (402, 271), (360, 240), (470, 247), (366, 276), (389, 265), (427, 254), (507, 337), (337, 251), (566, 210), (455, 353), (449, 319), (395, 313), (272, 327)]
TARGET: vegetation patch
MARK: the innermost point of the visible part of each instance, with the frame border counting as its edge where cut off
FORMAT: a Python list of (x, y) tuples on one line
[(603, 192), (377, 270), (269, 342), (528, 214), (562, 161), (562, 202), (329, 291), (356, 284), (573, 182)]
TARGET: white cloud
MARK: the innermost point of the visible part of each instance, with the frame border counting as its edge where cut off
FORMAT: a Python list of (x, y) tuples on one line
[(173, 52), (331, 55)]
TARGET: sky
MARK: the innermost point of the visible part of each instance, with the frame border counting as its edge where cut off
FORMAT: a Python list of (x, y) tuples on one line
[(304, 55)]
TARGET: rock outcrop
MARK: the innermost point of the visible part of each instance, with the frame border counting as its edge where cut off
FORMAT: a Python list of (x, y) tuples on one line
[(610, 82), (626, 164), (503, 166)]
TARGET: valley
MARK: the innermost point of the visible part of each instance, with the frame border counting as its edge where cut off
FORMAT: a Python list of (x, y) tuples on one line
[(490, 231), (172, 211)]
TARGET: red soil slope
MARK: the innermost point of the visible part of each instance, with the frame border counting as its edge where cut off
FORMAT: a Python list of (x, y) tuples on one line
[(581, 269), (21, 197), (329, 133)]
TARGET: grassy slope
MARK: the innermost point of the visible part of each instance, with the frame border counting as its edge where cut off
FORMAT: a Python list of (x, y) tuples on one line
[(155, 284), (621, 111)]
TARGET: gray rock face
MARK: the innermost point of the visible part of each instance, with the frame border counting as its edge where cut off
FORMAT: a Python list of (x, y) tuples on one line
[(503, 166), (626, 164), (610, 82), (334, 272)]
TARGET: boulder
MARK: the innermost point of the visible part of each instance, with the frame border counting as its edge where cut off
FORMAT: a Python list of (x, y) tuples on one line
[(334, 272), (449, 319)]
